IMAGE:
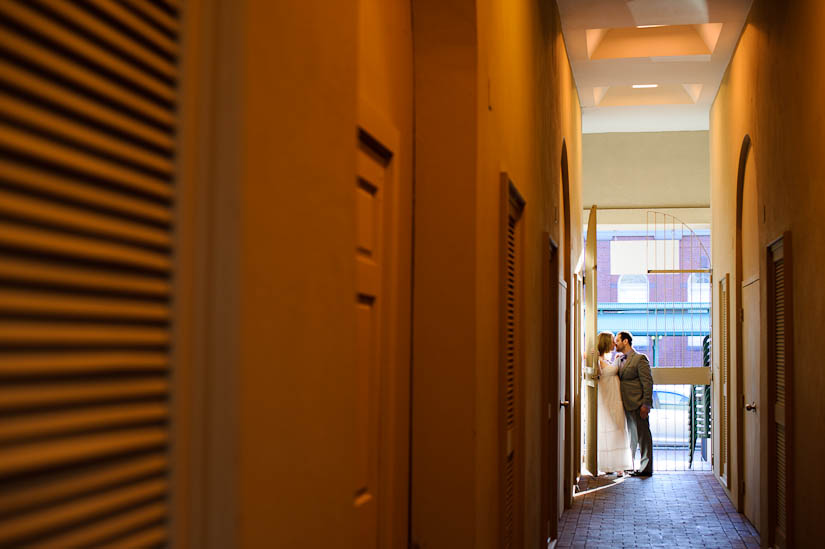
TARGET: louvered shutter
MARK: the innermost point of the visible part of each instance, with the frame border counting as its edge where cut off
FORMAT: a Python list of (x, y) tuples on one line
[(87, 139), (510, 369), (724, 359), (780, 390)]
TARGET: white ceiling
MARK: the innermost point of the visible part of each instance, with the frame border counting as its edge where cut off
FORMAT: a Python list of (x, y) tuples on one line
[(609, 54)]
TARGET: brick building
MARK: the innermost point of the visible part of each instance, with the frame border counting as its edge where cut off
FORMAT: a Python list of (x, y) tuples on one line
[(668, 313)]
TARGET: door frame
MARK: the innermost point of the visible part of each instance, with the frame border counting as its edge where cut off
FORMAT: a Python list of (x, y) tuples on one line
[(204, 422)]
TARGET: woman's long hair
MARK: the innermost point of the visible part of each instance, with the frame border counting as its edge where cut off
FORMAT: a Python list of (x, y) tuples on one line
[(603, 342)]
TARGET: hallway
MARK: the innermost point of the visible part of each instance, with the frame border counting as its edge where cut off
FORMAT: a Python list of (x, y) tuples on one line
[(679, 509), (300, 273)]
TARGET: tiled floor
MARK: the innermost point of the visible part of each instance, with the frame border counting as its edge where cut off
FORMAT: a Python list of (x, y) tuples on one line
[(679, 509)]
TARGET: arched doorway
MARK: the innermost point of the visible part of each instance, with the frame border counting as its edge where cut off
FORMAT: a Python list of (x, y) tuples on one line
[(748, 339)]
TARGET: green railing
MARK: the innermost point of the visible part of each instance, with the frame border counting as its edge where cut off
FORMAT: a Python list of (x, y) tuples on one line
[(700, 418)]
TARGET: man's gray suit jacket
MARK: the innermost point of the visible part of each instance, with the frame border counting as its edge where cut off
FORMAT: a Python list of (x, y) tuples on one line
[(636, 381)]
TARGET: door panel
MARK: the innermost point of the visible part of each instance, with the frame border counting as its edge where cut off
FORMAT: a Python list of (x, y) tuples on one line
[(750, 360)]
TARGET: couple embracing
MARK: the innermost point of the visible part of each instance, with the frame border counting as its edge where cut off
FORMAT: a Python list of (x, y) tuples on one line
[(624, 403)]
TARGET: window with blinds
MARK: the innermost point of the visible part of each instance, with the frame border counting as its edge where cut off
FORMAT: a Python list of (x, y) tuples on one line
[(510, 365), (780, 386), (724, 366), (87, 144)]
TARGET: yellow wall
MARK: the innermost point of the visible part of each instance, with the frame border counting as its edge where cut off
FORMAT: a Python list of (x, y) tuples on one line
[(646, 169), (494, 92), (772, 91)]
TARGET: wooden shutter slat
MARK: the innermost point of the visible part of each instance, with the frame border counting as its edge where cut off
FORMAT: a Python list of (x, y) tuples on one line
[(58, 305), (173, 4), (93, 534), (82, 134), (100, 531), (75, 482), (66, 189), (150, 537), (61, 244), (54, 153), (780, 529), (32, 524), (83, 48), (81, 362), (512, 461), (138, 26), (119, 40), (41, 334), (84, 77), (161, 18), (56, 214), (51, 453), (88, 132), (42, 424), (74, 102), (68, 277), (29, 396)]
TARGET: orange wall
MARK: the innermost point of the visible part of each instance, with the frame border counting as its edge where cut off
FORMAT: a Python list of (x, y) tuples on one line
[(279, 385), (494, 92), (531, 107), (772, 91), (444, 355)]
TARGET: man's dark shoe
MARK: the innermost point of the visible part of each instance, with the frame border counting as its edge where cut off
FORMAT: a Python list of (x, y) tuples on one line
[(640, 474)]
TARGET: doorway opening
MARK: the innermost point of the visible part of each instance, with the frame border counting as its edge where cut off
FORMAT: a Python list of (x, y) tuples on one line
[(654, 280)]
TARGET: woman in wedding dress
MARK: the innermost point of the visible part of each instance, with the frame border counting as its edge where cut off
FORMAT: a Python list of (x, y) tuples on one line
[(613, 441)]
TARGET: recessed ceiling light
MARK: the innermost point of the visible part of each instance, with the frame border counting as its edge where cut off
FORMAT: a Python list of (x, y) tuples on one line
[(637, 86), (648, 26)]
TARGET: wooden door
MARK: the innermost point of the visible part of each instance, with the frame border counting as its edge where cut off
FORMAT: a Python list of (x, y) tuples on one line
[(780, 393), (577, 379), (751, 373), (592, 368), (510, 405), (382, 260), (562, 400), (750, 346), (552, 454), (87, 248), (723, 416)]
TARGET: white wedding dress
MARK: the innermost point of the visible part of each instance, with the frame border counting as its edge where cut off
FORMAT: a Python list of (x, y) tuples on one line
[(613, 441)]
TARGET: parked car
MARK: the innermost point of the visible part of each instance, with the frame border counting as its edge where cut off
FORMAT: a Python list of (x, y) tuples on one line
[(669, 419)]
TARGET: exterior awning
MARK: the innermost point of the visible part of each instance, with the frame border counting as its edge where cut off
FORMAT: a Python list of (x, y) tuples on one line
[(670, 319)]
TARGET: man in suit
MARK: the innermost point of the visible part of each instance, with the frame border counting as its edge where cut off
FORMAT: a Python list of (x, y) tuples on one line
[(636, 384)]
